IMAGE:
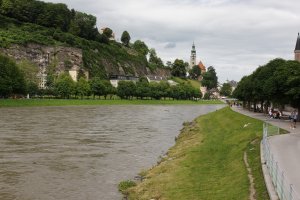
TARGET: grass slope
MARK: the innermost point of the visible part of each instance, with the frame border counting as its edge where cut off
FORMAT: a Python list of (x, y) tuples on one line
[(207, 162), (64, 102), (194, 83)]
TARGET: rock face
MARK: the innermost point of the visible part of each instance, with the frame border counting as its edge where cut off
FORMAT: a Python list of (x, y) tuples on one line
[(63, 58), (70, 59), (60, 58)]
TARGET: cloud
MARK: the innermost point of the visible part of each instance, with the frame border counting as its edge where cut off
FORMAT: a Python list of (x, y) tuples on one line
[(234, 36), (170, 45)]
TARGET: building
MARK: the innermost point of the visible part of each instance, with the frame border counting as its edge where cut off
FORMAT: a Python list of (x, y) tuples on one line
[(193, 60), (297, 49), (202, 67), (193, 56)]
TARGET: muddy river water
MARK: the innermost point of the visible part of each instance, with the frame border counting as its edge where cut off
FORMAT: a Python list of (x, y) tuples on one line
[(83, 152)]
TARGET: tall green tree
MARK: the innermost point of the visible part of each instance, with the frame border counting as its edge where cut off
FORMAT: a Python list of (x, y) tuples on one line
[(226, 89), (64, 86), (141, 47), (179, 68), (126, 89), (11, 78), (125, 38), (97, 87), (83, 88), (195, 72), (210, 79)]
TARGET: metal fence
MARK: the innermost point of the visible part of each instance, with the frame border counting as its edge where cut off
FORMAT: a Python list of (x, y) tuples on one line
[(285, 190)]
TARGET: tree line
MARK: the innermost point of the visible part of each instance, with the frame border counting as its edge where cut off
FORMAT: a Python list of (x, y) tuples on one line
[(277, 83), (15, 81)]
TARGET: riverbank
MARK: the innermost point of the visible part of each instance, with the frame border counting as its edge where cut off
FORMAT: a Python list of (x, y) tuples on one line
[(207, 161), (72, 102)]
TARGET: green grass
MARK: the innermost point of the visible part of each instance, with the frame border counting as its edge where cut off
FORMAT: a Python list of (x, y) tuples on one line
[(194, 83), (207, 162), (65, 102)]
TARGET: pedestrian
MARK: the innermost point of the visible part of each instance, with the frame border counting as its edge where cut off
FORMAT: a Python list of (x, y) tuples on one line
[(291, 118), (295, 119)]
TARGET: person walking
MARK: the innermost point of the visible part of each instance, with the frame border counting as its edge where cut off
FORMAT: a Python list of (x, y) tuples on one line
[(295, 119), (292, 116)]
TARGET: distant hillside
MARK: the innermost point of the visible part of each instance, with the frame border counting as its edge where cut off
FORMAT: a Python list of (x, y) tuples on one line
[(100, 59)]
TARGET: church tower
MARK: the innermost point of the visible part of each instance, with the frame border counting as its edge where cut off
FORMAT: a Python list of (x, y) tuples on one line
[(297, 49), (193, 56)]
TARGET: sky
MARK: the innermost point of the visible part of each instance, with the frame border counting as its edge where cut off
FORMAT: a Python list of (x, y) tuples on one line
[(233, 36)]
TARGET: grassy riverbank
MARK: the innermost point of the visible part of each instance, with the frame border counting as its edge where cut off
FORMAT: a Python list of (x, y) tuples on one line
[(207, 161), (65, 102)]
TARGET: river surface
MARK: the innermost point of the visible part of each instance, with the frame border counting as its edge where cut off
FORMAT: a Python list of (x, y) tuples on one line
[(83, 152)]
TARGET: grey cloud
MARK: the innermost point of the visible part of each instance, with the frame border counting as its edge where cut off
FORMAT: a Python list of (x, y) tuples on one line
[(170, 45)]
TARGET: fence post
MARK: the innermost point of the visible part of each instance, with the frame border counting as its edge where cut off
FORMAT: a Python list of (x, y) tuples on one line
[(276, 175), (291, 192), (282, 182)]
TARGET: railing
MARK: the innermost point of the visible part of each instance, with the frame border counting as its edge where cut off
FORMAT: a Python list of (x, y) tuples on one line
[(285, 190)]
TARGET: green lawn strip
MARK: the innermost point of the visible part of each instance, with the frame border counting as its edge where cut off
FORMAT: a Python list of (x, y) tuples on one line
[(65, 102), (207, 161)]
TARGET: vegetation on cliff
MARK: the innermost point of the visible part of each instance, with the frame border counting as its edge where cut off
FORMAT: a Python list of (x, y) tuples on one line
[(25, 22)]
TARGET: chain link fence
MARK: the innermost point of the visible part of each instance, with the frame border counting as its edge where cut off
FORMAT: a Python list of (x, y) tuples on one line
[(285, 190)]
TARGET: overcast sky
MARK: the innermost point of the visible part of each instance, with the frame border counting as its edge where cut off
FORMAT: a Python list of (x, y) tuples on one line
[(233, 36)]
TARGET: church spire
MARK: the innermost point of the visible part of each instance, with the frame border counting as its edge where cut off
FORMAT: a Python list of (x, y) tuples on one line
[(193, 56), (297, 49), (297, 43)]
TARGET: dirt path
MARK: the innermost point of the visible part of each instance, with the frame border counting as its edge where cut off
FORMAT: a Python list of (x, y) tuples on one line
[(251, 179)]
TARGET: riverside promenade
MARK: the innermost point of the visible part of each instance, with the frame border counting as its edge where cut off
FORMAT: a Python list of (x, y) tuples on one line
[(285, 149)]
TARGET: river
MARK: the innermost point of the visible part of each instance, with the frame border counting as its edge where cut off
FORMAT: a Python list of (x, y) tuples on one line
[(83, 152)]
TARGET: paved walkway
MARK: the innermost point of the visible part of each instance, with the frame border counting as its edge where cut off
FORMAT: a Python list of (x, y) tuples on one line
[(285, 148)]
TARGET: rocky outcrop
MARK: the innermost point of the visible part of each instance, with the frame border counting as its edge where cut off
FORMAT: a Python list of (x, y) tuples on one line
[(62, 58)]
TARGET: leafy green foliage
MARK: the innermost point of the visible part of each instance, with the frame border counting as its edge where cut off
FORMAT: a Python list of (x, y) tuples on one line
[(125, 38), (83, 88), (64, 86), (226, 89), (195, 72), (278, 82), (154, 61), (141, 47), (179, 68), (11, 78), (210, 79)]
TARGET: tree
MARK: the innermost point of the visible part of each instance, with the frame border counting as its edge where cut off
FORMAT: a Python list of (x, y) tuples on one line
[(84, 25), (141, 47), (210, 79), (125, 38), (30, 71), (107, 32), (11, 78), (126, 89), (142, 88), (179, 68), (83, 87), (64, 85), (226, 89), (154, 60), (195, 72), (97, 87)]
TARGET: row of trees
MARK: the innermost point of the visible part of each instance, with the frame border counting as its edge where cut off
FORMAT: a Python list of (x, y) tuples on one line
[(277, 82), (65, 87), (14, 81)]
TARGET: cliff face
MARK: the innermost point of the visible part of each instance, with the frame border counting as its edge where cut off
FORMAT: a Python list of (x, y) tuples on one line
[(69, 58), (62, 58)]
